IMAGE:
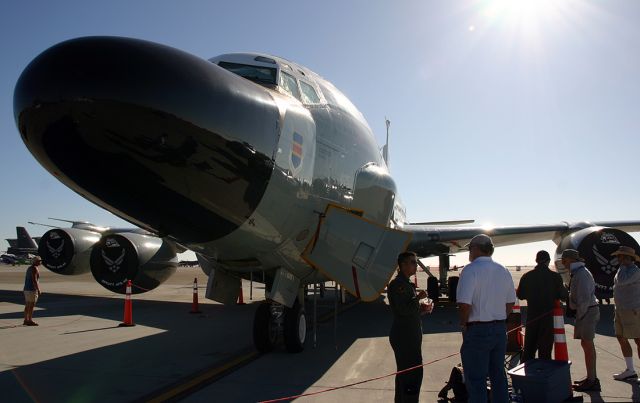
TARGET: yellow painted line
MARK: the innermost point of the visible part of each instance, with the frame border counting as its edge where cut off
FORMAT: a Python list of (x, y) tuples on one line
[(204, 377)]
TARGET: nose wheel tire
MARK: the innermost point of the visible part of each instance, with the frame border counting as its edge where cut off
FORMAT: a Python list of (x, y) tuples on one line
[(295, 328)]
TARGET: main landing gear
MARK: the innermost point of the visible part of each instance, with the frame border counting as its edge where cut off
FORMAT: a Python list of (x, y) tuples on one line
[(273, 320)]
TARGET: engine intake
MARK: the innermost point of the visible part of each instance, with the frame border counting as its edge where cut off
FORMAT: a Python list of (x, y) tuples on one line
[(595, 245), (67, 250), (146, 260)]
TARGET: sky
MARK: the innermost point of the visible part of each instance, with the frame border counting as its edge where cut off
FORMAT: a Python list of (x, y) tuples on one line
[(506, 111)]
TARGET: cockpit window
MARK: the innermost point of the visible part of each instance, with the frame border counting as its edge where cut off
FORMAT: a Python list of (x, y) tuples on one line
[(289, 84), (309, 95), (257, 74)]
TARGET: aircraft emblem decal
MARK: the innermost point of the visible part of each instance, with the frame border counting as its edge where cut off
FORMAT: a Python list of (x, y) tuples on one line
[(609, 238), (606, 265), (55, 251), (111, 243), (113, 264), (296, 151)]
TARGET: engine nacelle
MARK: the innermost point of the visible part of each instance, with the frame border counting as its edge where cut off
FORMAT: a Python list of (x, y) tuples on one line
[(67, 250), (146, 260), (595, 245)]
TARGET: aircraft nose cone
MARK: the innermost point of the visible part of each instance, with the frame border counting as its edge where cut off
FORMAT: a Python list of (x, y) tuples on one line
[(158, 136)]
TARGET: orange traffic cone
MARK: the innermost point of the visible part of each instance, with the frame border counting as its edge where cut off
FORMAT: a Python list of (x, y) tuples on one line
[(128, 310), (559, 339), (194, 305), (240, 298), (514, 328)]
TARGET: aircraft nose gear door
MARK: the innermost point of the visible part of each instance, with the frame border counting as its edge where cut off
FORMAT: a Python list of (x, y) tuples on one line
[(358, 254)]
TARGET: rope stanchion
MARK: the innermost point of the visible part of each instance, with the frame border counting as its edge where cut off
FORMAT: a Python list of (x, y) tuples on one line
[(559, 338), (128, 310), (194, 304)]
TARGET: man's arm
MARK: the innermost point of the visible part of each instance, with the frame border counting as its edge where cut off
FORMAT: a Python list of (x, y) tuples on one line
[(463, 313), (561, 291), (521, 290), (508, 306), (34, 281)]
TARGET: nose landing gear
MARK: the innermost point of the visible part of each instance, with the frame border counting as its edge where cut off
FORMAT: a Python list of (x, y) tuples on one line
[(273, 320)]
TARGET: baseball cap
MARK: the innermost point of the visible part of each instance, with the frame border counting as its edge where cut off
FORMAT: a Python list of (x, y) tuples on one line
[(480, 240), (572, 254)]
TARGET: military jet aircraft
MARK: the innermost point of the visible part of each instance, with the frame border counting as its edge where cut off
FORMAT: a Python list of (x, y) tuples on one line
[(23, 246), (254, 162)]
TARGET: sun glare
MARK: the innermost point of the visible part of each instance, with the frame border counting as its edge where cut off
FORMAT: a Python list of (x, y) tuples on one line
[(520, 11), (524, 24)]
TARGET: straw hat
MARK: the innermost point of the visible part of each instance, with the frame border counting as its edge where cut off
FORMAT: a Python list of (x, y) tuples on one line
[(628, 251)]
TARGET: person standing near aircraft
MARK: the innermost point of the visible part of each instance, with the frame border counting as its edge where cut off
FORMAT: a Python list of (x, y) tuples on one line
[(626, 295), (406, 331), (541, 287), (31, 291), (486, 296), (583, 299)]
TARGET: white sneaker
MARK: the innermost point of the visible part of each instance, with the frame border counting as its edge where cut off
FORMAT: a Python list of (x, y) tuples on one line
[(626, 374)]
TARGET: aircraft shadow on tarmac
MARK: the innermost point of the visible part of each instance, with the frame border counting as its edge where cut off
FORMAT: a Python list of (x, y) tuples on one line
[(183, 345), (166, 344)]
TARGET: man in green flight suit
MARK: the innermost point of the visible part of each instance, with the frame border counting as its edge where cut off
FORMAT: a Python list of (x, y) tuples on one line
[(406, 331)]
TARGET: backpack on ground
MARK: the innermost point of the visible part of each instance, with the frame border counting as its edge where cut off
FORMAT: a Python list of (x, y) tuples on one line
[(455, 383)]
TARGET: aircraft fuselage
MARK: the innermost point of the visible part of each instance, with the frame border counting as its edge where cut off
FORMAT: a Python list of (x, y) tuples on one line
[(236, 171)]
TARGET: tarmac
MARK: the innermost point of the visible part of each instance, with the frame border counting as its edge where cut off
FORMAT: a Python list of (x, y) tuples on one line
[(79, 354)]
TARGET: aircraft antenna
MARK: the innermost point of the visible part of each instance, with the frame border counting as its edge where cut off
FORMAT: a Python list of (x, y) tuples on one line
[(385, 149)]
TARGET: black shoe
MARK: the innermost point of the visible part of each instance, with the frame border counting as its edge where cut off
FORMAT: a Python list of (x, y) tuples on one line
[(583, 380), (588, 386)]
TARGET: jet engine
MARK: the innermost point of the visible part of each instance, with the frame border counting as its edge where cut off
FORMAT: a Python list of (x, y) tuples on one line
[(595, 245), (146, 260), (67, 250)]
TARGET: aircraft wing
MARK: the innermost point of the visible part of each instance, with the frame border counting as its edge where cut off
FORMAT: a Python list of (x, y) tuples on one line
[(430, 240)]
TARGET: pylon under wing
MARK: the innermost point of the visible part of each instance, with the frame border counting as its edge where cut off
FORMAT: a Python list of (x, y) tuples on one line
[(358, 254)]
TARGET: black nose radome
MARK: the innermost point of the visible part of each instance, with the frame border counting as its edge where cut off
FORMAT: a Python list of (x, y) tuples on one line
[(160, 137)]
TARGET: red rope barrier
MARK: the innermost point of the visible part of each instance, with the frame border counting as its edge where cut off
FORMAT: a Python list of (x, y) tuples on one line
[(357, 383), (393, 373)]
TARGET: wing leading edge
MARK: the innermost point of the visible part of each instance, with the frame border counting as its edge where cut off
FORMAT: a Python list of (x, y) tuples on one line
[(431, 240)]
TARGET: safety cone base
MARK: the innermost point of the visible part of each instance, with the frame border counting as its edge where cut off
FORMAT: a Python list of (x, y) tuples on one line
[(126, 324)]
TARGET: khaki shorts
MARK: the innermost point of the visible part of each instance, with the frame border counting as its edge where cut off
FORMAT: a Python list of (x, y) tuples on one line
[(30, 296), (585, 328), (627, 323)]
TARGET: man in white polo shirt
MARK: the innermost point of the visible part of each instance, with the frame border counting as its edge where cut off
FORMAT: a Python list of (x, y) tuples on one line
[(485, 297)]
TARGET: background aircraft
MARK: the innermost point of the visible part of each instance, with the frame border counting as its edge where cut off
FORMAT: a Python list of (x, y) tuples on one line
[(254, 162), (23, 245)]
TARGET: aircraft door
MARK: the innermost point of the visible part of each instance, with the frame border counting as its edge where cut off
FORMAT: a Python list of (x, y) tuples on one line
[(357, 253)]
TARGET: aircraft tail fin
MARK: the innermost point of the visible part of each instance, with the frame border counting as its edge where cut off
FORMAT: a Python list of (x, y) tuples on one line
[(24, 239)]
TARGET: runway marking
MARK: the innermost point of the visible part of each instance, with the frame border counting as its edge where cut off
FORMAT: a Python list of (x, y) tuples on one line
[(203, 379), (181, 390), (93, 330)]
